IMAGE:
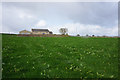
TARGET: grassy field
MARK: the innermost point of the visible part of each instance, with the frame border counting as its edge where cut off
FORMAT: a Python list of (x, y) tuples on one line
[(59, 57)]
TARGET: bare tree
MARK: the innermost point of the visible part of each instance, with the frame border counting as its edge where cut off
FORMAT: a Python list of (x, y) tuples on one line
[(63, 31)]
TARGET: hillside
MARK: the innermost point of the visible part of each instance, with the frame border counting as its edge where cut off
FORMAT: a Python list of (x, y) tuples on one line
[(59, 57)]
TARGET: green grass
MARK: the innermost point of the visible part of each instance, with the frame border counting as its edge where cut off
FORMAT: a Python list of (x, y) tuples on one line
[(59, 57)]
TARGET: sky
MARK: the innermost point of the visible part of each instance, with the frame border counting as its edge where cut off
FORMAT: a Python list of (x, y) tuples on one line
[(92, 18)]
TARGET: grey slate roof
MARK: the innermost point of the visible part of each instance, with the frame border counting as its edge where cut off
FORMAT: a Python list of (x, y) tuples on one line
[(39, 30)]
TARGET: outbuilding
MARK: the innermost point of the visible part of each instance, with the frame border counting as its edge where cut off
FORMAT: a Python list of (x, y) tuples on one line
[(25, 32)]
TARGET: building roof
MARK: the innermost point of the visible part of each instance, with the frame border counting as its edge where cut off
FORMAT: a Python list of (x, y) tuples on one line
[(24, 31), (50, 31), (36, 30)]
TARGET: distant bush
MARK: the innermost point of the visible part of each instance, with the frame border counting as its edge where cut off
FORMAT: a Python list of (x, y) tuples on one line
[(93, 35), (78, 35), (87, 35)]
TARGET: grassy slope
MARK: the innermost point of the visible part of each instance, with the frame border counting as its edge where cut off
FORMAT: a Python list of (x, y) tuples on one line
[(64, 57)]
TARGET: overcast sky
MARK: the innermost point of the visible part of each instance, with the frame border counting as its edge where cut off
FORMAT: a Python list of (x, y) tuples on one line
[(98, 18)]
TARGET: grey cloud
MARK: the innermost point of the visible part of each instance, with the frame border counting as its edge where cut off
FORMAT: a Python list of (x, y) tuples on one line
[(103, 14), (93, 13)]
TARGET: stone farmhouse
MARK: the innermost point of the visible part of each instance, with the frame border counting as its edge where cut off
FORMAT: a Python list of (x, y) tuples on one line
[(36, 31)]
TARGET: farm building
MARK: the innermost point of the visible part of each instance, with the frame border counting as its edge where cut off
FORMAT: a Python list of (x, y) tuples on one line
[(25, 32), (36, 31), (41, 31)]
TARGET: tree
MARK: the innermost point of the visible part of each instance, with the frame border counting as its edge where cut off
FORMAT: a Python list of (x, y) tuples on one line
[(63, 31)]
